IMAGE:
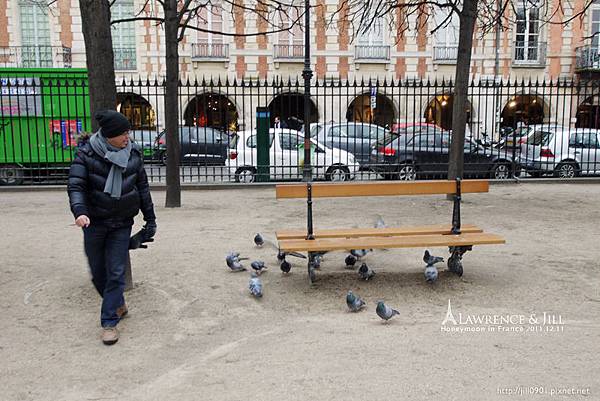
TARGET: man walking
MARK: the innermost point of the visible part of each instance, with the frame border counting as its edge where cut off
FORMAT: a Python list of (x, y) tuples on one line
[(107, 188)]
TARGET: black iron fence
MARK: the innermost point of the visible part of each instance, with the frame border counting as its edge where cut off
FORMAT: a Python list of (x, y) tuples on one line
[(364, 130)]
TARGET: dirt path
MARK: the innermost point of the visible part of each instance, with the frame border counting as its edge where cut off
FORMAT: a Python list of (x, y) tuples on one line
[(196, 334)]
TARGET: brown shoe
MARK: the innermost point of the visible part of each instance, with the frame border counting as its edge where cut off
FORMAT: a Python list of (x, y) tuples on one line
[(122, 311), (110, 335)]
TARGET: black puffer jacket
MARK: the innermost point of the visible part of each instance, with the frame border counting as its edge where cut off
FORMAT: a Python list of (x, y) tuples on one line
[(87, 178)]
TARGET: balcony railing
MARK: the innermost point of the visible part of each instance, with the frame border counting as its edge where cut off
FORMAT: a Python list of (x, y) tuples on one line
[(210, 51), (445, 54), (125, 58), (587, 58), (530, 56), (35, 56), (288, 52), (371, 53)]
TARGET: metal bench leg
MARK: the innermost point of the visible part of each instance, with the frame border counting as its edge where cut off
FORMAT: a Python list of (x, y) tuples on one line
[(311, 268), (455, 261)]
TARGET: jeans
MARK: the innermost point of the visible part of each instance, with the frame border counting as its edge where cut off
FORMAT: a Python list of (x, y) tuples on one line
[(107, 250)]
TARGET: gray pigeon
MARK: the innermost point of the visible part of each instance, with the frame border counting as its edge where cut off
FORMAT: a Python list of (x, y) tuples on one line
[(354, 302), (350, 261), (430, 259), (255, 286), (258, 266), (233, 262), (317, 259), (359, 253), (259, 240), (380, 223), (385, 312), (365, 272), (431, 272)]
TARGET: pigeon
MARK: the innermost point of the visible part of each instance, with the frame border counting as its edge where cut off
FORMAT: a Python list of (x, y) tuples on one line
[(365, 272), (259, 240), (354, 302), (430, 259), (285, 266), (233, 262), (380, 223), (255, 286), (258, 266), (317, 259), (431, 272), (350, 261), (385, 312), (359, 253)]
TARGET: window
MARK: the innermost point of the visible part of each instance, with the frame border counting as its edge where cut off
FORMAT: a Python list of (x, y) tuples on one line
[(527, 34), (431, 139), (374, 35), (595, 25), (123, 35), (210, 44), (340, 131), (290, 43), (587, 140), (290, 141), (540, 138), (35, 35), (251, 141), (371, 132), (446, 37)]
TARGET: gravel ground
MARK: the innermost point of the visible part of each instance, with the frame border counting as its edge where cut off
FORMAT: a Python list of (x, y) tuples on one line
[(195, 333)]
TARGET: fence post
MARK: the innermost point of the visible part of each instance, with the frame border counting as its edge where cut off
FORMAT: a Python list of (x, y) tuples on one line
[(263, 120)]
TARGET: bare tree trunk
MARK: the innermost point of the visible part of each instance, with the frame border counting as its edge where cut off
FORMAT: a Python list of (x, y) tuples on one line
[(173, 198), (95, 22), (461, 88)]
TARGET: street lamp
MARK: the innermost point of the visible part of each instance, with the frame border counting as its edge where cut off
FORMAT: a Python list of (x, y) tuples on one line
[(307, 75)]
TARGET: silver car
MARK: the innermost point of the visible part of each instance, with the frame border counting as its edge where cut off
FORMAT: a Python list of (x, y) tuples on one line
[(353, 137), (565, 153)]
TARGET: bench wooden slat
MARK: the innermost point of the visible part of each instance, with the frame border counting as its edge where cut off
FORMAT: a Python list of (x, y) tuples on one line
[(327, 190), (376, 232), (410, 241)]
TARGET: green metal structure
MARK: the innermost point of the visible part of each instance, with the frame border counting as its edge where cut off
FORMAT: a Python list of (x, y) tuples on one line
[(41, 115)]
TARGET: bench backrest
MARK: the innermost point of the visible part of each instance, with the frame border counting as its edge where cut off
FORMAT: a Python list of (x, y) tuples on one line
[(332, 190)]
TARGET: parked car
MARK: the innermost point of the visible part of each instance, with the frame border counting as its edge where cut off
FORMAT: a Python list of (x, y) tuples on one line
[(286, 153), (355, 138), (510, 138), (565, 153), (410, 128), (203, 145), (147, 140), (426, 154)]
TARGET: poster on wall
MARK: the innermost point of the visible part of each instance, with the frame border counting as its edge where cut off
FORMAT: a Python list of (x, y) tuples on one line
[(20, 97), (67, 129)]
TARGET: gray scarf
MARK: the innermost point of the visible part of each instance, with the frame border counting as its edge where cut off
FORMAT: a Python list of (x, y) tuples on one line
[(119, 159)]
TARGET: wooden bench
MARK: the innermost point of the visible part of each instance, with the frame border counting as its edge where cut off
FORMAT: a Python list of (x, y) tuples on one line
[(457, 237)]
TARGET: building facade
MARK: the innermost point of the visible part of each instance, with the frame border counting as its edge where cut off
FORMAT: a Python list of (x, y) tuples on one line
[(32, 35)]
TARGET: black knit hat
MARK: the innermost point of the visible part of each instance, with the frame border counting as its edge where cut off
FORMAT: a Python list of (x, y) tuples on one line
[(112, 123)]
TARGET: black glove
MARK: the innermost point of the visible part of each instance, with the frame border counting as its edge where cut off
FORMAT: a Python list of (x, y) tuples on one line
[(150, 229), (139, 238)]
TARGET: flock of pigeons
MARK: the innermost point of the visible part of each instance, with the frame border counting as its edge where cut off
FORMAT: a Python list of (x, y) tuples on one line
[(355, 303)]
